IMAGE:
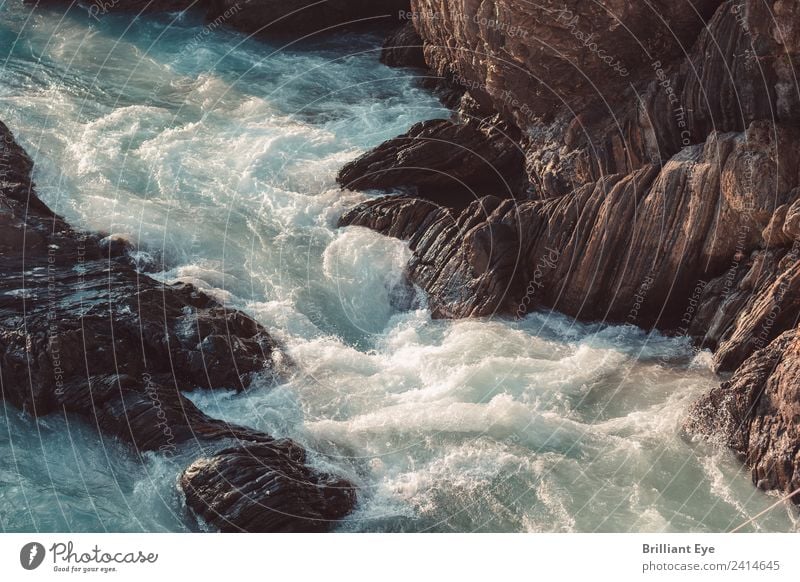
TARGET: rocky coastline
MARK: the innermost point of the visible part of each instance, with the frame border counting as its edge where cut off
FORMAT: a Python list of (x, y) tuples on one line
[(613, 161), (661, 186), (84, 334)]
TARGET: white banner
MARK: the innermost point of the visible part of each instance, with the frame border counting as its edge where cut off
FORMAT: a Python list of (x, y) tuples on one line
[(388, 557)]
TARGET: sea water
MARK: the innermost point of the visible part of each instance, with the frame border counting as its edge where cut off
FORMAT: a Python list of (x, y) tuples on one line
[(217, 155)]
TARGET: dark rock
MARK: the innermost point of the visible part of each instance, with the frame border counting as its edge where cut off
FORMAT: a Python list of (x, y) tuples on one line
[(265, 488), (449, 93), (400, 217), (83, 333), (440, 158), (98, 8), (268, 17), (403, 48), (746, 308)]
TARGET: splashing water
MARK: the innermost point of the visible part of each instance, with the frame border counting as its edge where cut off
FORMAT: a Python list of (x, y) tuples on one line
[(217, 154)]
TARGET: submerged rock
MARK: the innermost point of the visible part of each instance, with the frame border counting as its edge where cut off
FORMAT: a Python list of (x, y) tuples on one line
[(83, 333)]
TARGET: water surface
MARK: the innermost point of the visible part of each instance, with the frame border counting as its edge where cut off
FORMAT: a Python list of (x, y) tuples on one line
[(218, 154)]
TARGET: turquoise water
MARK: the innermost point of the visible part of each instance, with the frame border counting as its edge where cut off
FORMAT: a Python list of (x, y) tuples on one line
[(217, 154)]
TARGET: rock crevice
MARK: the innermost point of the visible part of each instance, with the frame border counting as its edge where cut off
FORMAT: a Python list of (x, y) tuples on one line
[(661, 155)]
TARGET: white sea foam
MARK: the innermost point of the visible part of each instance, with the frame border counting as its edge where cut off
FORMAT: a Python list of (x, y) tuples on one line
[(220, 160)]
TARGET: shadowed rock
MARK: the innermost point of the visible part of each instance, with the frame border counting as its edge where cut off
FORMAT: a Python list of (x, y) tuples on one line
[(304, 16), (83, 333), (403, 48), (255, 487), (440, 158), (267, 17)]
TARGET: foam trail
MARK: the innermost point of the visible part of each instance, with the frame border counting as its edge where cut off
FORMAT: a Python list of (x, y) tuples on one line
[(220, 162)]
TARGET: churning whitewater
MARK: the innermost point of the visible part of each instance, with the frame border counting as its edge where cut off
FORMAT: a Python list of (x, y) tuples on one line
[(217, 155)]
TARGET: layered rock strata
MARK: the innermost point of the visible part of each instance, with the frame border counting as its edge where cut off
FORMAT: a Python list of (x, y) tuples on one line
[(662, 157)]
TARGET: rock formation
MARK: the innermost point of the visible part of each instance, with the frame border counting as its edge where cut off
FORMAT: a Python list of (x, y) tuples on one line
[(662, 176), (631, 162), (83, 333), (403, 48), (443, 160), (756, 414)]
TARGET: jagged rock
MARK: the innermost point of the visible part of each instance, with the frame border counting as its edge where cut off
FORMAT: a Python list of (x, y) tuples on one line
[(650, 227), (769, 309), (403, 48), (756, 300), (264, 488), (665, 184), (81, 332), (791, 222), (755, 414), (734, 75), (442, 159), (529, 59), (400, 217)]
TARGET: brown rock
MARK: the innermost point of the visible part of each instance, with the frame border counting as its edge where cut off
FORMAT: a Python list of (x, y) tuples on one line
[(443, 161), (403, 48), (791, 222), (529, 59), (265, 487), (756, 414)]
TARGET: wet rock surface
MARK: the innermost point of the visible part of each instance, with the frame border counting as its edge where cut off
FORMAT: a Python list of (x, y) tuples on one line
[(661, 186), (755, 413), (249, 488), (83, 333), (441, 159)]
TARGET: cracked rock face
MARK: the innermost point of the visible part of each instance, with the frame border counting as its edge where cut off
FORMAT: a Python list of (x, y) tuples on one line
[(83, 333), (531, 58), (662, 184), (756, 414)]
